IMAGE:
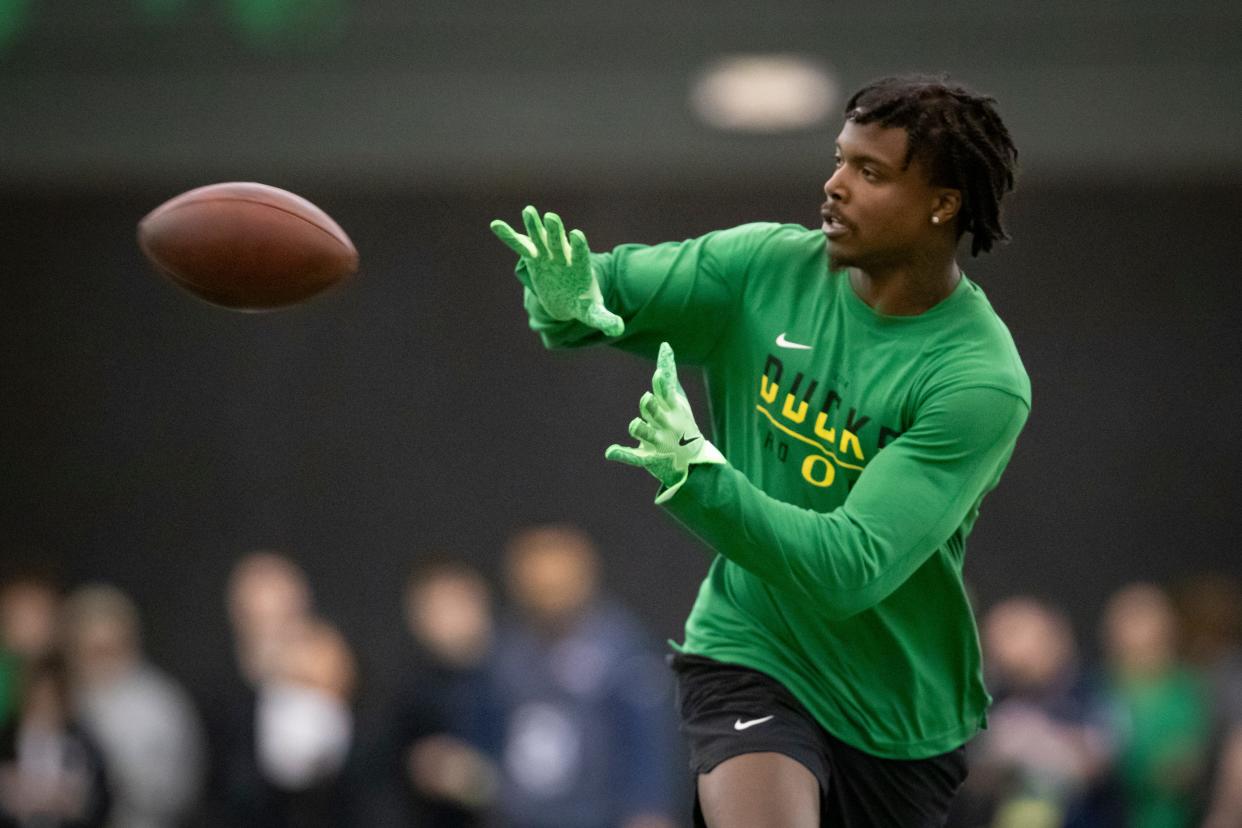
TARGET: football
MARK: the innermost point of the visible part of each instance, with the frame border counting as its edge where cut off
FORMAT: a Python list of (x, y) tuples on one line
[(247, 246)]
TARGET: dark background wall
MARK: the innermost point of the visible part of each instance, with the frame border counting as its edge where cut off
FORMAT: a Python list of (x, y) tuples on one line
[(148, 439)]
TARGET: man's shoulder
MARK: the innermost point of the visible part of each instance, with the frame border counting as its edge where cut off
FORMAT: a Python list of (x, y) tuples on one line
[(980, 351), (769, 235), (761, 249)]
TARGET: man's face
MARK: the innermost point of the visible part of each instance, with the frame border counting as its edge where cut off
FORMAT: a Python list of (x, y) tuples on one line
[(451, 615), (266, 593), (28, 619), (552, 581), (878, 210)]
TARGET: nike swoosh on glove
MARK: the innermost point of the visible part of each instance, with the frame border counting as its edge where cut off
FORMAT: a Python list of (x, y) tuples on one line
[(669, 440)]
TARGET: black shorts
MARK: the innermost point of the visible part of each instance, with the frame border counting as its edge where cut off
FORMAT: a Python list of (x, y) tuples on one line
[(728, 710)]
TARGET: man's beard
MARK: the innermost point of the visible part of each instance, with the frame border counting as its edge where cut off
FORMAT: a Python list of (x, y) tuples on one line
[(840, 261)]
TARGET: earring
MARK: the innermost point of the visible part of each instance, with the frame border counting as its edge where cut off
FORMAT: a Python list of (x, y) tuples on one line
[(935, 219)]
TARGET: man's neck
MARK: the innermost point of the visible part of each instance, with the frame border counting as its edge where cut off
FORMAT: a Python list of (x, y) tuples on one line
[(905, 290)]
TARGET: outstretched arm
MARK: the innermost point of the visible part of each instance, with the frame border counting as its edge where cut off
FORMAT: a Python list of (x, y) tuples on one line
[(907, 503), (557, 271), (683, 292)]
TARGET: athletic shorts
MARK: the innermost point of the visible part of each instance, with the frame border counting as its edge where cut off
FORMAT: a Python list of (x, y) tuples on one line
[(727, 710)]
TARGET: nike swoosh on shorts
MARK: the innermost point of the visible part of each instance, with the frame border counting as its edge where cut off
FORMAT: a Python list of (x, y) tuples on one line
[(741, 725)]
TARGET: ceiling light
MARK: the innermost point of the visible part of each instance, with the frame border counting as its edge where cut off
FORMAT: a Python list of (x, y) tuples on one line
[(764, 93)]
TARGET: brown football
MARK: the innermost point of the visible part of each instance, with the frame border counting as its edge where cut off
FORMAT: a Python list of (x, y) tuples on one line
[(247, 246)]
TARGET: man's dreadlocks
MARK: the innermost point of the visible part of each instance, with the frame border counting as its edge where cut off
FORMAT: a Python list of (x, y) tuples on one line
[(957, 134)]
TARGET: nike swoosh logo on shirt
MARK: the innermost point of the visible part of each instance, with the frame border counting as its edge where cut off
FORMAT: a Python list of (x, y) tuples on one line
[(785, 343), (741, 725), (684, 442)]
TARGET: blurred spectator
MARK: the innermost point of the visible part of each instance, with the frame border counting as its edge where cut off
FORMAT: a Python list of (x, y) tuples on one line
[(1225, 807), (443, 724), (1209, 615), (1160, 709), (51, 773), (587, 702), (269, 599), (304, 720), (1047, 744), (281, 744), (1210, 612), (144, 721), (28, 613)]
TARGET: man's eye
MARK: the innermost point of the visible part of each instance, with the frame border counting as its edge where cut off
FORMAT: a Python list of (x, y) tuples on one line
[(836, 162), (870, 174)]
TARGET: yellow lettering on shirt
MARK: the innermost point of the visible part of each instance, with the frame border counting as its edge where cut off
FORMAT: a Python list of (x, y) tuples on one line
[(821, 428), (767, 389), (849, 442), (791, 413), (818, 471)]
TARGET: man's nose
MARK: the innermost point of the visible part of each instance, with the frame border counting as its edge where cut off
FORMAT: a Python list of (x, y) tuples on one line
[(833, 187)]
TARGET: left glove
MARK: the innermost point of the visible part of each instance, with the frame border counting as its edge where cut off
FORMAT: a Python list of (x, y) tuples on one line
[(558, 272), (669, 440)]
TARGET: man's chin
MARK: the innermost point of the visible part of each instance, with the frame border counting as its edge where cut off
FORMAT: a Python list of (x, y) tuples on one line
[(840, 259)]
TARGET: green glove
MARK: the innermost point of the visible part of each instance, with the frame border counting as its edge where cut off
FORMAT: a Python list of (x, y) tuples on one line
[(559, 270), (669, 441)]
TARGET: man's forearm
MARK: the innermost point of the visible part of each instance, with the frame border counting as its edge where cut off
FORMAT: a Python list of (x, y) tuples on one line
[(827, 556)]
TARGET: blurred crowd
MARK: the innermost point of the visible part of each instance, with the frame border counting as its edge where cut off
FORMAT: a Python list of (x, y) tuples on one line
[(543, 704), (539, 702), (1147, 733)]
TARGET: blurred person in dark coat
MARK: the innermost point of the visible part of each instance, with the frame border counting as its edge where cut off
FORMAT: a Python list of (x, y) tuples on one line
[(51, 772), (145, 724), (281, 742), (444, 725), (588, 704), (1048, 746)]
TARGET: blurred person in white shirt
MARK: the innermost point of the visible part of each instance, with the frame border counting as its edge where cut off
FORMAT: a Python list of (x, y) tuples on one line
[(305, 720), (144, 721), (283, 742)]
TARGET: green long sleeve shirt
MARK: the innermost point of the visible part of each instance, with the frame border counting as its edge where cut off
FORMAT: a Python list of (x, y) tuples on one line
[(859, 448)]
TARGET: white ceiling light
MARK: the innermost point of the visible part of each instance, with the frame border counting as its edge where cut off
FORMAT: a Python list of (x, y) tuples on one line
[(764, 93)]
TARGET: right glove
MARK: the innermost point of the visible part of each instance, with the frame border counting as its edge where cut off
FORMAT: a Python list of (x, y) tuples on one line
[(669, 440), (559, 271)]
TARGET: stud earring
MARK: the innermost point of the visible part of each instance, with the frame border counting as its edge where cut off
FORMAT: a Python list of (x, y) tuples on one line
[(935, 219)]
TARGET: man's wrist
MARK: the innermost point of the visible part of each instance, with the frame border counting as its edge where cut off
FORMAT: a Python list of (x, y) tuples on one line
[(708, 456), (668, 491)]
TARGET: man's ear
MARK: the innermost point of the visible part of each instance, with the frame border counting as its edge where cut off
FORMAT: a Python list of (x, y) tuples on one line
[(946, 205)]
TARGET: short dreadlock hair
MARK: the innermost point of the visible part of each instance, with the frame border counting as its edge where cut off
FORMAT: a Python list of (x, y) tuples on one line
[(959, 136)]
